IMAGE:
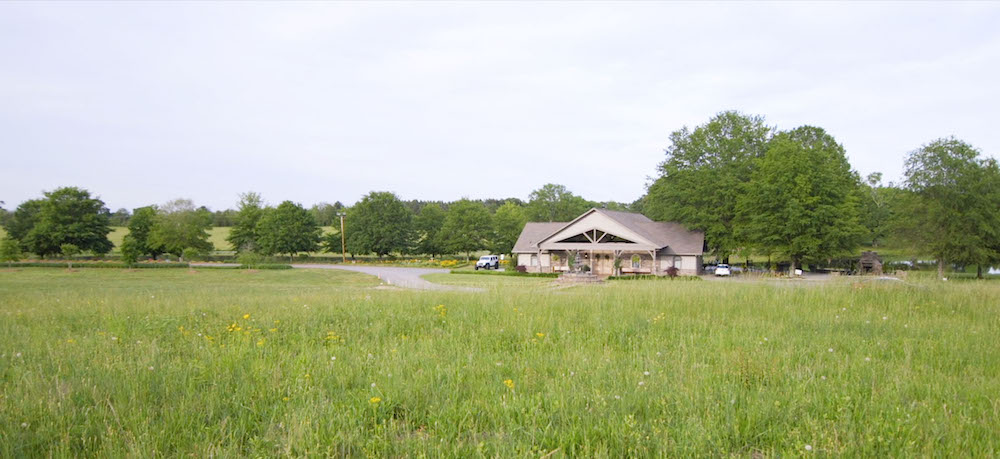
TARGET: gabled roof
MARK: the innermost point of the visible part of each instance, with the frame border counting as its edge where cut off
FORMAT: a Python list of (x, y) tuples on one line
[(533, 233), (673, 236)]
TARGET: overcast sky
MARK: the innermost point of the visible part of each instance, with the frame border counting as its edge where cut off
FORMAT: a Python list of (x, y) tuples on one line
[(144, 102)]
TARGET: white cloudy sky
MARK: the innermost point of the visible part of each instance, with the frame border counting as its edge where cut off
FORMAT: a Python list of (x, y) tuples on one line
[(145, 102)]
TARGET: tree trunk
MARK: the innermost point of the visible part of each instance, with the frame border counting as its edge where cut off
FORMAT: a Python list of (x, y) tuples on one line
[(791, 270), (979, 271), (940, 267)]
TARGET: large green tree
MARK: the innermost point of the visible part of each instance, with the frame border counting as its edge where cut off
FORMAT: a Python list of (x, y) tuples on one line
[(508, 222), (23, 219), (288, 228), (953, 210), (704, 174), (878, 208), (70, 215), (243, 235), (427, 229), (555, 203), (379, 223), (802, 200), (180, 225), (139, 226), (466, 227)]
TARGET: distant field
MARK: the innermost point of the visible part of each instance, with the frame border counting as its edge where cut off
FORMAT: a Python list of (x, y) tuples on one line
[(217, 236), (319, 362)]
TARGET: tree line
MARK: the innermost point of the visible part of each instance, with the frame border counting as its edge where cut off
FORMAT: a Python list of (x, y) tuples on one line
[(755, 190), (380, 223)]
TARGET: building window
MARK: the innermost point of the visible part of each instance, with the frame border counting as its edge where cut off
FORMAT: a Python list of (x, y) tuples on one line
[(677, 262), (636, 262), (534, 260)]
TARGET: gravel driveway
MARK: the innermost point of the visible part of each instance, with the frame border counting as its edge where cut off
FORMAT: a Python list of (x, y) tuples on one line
[(400, 277)]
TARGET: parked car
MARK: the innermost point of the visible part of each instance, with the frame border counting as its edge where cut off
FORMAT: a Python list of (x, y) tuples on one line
[(488, 262), (723, 270)]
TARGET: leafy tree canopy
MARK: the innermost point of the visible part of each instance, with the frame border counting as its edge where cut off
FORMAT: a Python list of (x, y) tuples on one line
[(466, 227), (704, 174), (10, 250), (801, 200), (23, 219), (378, 223), (288, 228), (139, 226), (244, 233), (508, 222), (953, 211), (70, 216), (555, 203), (179, 225), (427, 227)]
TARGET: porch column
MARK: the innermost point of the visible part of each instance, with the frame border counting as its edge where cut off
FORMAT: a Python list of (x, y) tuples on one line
[(655, 263)]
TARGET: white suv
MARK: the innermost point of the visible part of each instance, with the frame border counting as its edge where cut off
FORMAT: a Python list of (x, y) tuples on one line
[(488, 262), (722, 270)]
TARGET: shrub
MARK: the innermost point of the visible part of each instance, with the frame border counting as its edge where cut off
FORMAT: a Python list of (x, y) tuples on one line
[(69, 251), (131, 251), (249, 259), (106, 264), (192, 254), (654, 277), (10, 250)]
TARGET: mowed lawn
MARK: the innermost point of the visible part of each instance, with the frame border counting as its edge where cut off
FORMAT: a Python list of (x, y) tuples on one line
[(316, 362)]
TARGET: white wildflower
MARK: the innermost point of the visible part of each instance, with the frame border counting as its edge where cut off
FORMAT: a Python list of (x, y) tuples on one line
[(809, 448)]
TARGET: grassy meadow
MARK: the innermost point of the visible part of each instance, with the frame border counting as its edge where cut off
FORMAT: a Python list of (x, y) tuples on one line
[(101, 362)]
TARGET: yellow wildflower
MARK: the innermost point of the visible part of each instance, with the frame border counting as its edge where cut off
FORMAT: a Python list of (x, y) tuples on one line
[(246, 316), (540, 335), (509, 383), (374, 400)]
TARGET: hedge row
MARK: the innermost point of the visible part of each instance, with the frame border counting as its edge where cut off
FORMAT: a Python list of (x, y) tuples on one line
[(118, 265), (506, 273), (260, 266), (654, 277)]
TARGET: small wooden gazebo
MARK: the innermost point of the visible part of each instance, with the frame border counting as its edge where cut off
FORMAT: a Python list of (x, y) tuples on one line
[(870, 263)]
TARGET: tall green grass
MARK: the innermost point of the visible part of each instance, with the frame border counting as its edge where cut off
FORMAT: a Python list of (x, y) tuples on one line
[(303, 362)]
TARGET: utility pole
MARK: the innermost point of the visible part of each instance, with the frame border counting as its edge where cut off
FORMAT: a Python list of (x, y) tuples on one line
[(343, 240)]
